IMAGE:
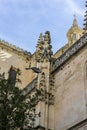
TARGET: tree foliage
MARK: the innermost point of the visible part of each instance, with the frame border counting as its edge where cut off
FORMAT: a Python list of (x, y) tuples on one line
[(16, 110)]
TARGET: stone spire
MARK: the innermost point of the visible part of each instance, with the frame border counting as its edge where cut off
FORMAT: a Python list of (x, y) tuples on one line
[(75, 23), (85, 24), (43, 51)]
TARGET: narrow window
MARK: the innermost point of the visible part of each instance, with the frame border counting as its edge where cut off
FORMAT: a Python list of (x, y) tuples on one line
[(12, 75), (74, 36)]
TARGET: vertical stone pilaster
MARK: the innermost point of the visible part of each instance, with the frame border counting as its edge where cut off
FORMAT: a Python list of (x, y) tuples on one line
[(43, 58)]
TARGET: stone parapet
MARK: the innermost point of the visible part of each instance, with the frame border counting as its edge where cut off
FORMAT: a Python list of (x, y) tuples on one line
[(70, 52)]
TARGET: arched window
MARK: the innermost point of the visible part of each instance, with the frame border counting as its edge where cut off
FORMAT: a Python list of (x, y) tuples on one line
[(85, 71), (85, 84)]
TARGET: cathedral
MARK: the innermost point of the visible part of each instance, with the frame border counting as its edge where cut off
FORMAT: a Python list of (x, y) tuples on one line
[(63, 75)]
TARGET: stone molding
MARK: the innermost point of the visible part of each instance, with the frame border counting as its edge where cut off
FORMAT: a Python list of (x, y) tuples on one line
[(79, 125), (30, 87), (70, 52)]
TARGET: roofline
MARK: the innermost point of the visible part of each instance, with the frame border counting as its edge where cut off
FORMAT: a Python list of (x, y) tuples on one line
[(8, 45), (68, 53)]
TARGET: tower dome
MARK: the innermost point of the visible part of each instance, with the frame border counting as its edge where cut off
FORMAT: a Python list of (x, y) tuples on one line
[(74, 33)]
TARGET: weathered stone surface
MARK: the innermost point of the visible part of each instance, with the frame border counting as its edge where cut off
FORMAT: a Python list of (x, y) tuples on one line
[(70, 96)]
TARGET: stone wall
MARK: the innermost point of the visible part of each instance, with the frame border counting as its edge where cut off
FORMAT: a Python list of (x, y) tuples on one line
[(71, 92), (9, 57)]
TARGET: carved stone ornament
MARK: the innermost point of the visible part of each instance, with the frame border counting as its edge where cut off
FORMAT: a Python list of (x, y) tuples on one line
[(43, 51), (47, 96)]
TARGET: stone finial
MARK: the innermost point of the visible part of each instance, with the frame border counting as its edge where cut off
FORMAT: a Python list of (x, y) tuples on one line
[(47, 37), (75, 23), (40, 39)]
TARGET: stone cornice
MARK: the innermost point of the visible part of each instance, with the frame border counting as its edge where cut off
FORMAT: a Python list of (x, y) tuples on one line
[(17, 50), (70, 52)]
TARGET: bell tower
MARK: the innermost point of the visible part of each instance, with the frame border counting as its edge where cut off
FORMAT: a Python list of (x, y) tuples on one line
[(74, 33)]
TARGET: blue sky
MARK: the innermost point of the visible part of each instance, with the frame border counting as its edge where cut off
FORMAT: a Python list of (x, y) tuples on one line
[(21, 21)]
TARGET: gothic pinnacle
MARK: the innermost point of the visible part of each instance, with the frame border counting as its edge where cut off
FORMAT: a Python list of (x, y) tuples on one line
[(40, 40)]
